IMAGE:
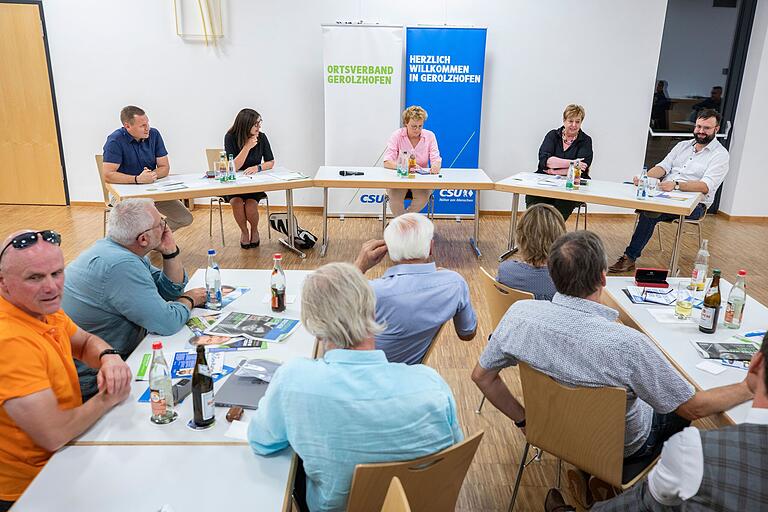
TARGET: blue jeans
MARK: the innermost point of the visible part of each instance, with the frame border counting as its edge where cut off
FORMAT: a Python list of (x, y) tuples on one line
[(663, 427), (647, 223)]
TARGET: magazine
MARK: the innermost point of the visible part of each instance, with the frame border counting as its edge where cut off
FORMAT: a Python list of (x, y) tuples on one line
[(730, 350), (184, 364), (258, 327), (225, 343), (200, 323)]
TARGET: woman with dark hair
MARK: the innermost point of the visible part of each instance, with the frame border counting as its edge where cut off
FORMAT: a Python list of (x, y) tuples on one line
[(249, 146)]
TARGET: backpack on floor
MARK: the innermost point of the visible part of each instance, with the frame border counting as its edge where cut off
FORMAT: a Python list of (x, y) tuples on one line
[(302, 238)]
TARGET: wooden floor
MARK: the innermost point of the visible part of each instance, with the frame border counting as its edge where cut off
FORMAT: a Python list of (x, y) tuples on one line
[(733, 245)]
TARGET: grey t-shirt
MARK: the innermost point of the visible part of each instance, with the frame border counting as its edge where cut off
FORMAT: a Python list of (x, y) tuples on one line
[(579, 343)]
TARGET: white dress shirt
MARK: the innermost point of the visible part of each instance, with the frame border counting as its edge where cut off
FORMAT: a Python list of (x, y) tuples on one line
[(709, 165), (677, 477)]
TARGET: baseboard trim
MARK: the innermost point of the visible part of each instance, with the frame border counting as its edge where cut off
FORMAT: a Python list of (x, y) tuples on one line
[(86, 203), (742, 218)]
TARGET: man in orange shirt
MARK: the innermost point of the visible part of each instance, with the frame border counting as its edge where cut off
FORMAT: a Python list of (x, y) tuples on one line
[(40, 405)]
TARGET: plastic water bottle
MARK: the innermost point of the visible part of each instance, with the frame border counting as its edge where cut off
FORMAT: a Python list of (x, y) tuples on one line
[(160, 390), (734, 310), (231, 172), (569, 177), (212, 282), (642, 185), (402, 165), (700, 267)]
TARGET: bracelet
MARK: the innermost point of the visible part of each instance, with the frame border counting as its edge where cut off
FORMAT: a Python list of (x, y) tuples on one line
[(136, 179), (172, 255), (190, 299), (107, 352), (520, 424)]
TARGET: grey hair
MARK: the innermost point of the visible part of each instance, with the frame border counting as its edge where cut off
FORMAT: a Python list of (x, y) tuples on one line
[(409, 237), (338, 306), (128, 219)]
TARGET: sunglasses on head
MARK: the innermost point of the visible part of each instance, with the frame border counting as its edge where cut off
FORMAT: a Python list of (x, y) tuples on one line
[(30, 238)]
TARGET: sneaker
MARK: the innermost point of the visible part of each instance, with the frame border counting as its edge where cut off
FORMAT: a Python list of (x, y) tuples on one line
[(623, 264), (554, 502), (578, 487)]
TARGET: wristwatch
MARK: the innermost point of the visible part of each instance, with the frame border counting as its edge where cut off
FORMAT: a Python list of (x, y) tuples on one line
[(677, 185), (172, 255), (108, 351), (259, 167), (520, 424)]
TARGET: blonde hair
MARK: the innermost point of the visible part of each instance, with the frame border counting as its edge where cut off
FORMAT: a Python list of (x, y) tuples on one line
[(574, 110), (414, 112), (539, 227), (338, 306)]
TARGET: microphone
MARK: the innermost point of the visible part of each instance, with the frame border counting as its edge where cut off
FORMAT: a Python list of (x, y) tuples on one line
[(351, 173)]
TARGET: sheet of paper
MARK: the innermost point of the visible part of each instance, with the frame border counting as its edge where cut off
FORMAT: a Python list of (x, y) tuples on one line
[(267, 298), (287, 175), (710, 367), (238, 430), (254, 178), (667, 316)]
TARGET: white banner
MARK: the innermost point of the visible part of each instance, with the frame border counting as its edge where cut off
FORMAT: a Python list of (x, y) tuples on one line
[(362, 73)]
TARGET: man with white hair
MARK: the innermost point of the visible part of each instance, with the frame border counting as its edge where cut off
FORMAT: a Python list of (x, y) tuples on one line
[(414, 298), (40, 405), (352, 406), (113, 291)]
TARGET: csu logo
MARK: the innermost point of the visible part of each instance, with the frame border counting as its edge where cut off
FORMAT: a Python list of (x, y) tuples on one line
[(372, 198), (457, 194)]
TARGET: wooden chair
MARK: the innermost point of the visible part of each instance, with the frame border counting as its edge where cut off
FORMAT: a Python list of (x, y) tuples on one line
[(431, 348), (104, 191), (212, 155), (498, 298), (431, 483), (396, 500), (582, 426)]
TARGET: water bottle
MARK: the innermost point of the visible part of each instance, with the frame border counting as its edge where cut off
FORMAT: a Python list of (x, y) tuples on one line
[(569, 177), (402, 165), (231, 171), (734, 310), (700, 267), (160, 390), (642, 185), (212, 283), (221, 174)]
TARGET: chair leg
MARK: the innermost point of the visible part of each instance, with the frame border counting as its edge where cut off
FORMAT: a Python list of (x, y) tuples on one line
[(221, 223), (520, 470), (480, 407), (104, 227), (585, 216), (269, 230), (559, 472), (210, 218), (578, 213), (658, 232), (698, 225)]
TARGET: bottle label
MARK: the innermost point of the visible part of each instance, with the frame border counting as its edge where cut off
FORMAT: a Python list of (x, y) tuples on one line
[(158, 401), (203, 369), (729, 313), (707, 319), (206, 399)]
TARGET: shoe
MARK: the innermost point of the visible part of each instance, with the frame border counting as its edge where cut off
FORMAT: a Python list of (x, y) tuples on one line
[(623, 264), (601, 490), (245, 246), (255, 244), (578, 487), (554, 502)]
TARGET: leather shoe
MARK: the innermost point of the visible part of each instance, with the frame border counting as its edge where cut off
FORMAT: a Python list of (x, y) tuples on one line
[(554, 502), (623, 264)]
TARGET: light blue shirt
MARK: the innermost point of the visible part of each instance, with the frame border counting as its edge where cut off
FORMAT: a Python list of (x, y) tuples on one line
[(413, 300), (352, 407), (115, 294), (527, 278)]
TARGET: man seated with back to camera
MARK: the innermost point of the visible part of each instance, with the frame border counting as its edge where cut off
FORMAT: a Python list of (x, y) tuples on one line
[(414, 298), (113, 291), (576, 340), (697, 165), (722, 469)]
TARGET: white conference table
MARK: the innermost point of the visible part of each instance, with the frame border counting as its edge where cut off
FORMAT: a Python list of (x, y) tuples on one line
[(380, 177), (190, 186), (674, 338), (598, 192), (125, 438), (146, 478)]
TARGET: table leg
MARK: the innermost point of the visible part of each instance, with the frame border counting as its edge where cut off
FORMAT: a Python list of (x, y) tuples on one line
[(473, 241), (324, 246), (288, 241), (383, 213), (673, 268), (512, 244)]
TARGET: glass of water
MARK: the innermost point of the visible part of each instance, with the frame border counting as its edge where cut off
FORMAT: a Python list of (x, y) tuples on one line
[(684, 302), (653, 184)]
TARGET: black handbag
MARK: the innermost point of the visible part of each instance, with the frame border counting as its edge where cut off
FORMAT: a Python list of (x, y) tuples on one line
[(302, 238)]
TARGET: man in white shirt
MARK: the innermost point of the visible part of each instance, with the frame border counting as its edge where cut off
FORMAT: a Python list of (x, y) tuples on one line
[(724, 469), (697, 165)]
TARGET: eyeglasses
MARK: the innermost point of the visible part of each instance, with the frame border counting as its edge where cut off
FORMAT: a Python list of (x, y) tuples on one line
[(30, 238), (162, 224)]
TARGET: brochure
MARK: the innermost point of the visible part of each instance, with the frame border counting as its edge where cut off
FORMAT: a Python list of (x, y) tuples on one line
[(144, 398), (258, 327), (184, 364), (642, 295), (143, 372), (225, 343), (731, 349), (231, 293)]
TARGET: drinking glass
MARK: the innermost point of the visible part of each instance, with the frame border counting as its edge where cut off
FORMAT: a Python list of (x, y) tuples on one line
[(653, 184), (684, 302)]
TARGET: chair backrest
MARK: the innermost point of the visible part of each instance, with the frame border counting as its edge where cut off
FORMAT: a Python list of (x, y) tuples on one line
[(432, 483), (582, 426), (396, 500), (212, 155), (499, 297), (104, 190), (433, 344)]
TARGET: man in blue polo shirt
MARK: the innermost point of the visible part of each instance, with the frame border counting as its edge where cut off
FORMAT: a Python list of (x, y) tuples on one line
[(136, 154), (414, 298)]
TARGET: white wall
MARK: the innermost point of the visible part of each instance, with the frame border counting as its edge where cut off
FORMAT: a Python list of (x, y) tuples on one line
[(696, 47), (540, 56), (744, 190)]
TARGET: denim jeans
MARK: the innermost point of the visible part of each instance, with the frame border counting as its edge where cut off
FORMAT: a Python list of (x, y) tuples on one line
[(663, 427), (647, 223)]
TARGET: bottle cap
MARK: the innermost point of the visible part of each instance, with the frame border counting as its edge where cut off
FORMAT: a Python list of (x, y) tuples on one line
[(211, 251), (277, 256), (157, 345), (742, 272), (715, 271)]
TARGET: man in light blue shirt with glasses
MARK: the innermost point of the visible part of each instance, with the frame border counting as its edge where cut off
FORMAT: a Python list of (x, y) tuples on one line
[(414, 298)]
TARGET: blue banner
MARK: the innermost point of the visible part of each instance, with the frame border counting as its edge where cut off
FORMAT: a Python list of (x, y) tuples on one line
[(444, 75)]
